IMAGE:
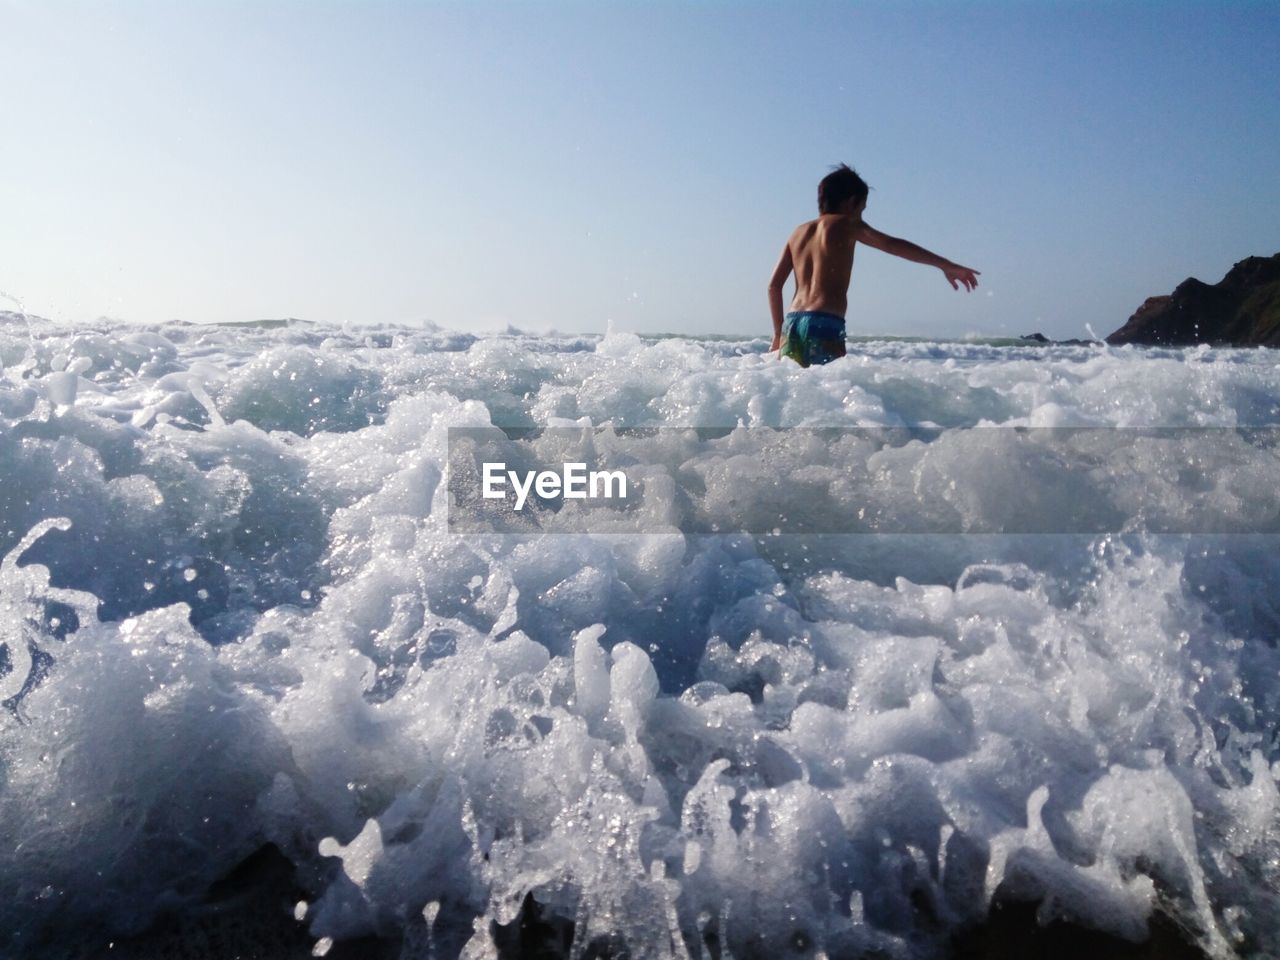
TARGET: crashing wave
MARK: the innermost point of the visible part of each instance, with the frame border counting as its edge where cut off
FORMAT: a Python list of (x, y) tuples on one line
[(236, 620)]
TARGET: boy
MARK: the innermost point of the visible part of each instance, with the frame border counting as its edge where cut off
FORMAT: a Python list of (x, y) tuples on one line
[(821, 254)]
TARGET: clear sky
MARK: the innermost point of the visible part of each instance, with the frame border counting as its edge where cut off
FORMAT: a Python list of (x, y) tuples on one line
[(566, 165)]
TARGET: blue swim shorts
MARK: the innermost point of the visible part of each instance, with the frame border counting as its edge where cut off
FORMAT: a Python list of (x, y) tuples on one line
[(811, 336)]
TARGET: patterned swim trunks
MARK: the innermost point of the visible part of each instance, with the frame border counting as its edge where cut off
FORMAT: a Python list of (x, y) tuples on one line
[(811, 336)]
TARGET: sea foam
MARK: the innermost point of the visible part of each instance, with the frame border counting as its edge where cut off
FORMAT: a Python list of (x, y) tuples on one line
[(234, 614)]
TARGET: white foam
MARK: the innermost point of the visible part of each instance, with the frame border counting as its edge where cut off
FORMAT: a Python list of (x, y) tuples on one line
[(784, 742)]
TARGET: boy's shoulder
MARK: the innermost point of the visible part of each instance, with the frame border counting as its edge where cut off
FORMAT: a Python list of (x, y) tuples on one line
[(838, 221), (841, 225)]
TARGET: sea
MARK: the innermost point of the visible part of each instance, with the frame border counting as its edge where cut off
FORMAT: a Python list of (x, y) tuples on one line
[(878, 649)]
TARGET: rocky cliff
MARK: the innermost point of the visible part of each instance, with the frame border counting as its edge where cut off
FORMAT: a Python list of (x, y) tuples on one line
[(1243, 309)]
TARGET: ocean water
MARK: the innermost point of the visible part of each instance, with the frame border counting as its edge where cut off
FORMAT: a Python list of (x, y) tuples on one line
[(233, 614)]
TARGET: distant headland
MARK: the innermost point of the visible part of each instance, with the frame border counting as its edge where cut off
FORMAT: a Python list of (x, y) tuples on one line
[(1241, 310)]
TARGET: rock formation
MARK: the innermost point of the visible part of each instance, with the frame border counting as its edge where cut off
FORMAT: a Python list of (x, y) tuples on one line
[(1242, 310)]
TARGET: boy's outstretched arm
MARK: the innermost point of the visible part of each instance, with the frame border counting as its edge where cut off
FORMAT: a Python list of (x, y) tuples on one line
[(776, 283), (955, 273)]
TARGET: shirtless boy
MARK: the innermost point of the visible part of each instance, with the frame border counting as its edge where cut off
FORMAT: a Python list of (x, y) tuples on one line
[(821, 254)]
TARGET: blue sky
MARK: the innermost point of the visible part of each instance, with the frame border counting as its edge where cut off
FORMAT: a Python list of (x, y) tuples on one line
[(571, 165)]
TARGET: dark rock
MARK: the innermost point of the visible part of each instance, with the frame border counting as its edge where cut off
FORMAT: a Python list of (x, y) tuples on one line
[(249, 915), (1012, 932), (1040, 338), (1242, 310)]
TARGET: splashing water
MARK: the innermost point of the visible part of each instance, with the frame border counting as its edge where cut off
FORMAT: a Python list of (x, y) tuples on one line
[(234, 615)]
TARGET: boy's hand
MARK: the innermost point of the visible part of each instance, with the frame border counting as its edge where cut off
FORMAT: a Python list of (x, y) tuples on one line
[(957, 274), (777, 342)]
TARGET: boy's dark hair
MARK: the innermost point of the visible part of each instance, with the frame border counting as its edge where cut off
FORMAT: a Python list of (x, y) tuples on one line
[(841, 184)]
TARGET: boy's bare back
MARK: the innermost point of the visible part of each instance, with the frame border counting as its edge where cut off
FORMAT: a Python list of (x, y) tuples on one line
[(821, 253)]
